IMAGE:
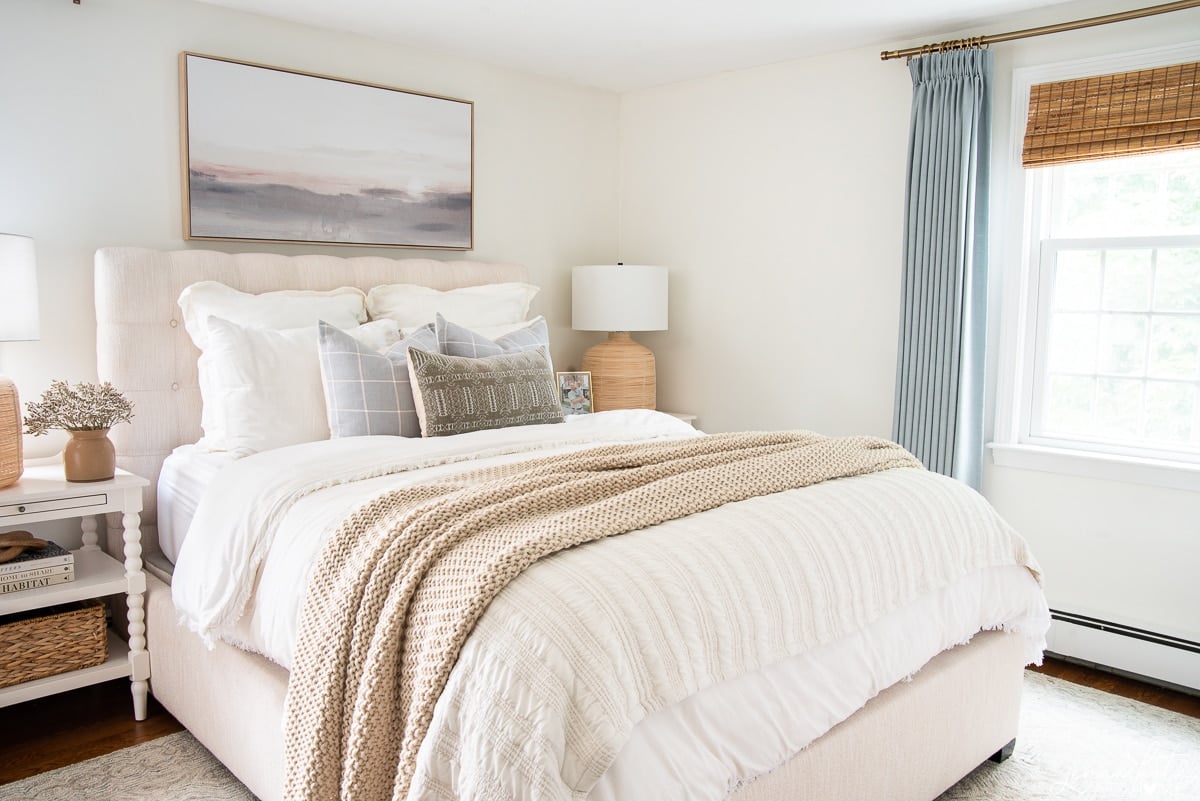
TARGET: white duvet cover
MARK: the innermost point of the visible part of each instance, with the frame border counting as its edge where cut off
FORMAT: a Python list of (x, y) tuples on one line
[(241, 572)]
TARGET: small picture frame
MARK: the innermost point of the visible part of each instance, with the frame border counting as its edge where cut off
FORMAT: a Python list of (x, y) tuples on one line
[(575, 392)]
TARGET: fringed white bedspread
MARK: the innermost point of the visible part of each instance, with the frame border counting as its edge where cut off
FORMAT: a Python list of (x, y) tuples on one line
[(581, 650)]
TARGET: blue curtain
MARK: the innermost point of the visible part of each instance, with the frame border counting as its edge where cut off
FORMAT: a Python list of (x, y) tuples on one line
[(940, 365)]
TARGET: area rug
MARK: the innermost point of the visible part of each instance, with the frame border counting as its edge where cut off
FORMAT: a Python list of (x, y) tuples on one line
[(1074, 743), (171, 768)]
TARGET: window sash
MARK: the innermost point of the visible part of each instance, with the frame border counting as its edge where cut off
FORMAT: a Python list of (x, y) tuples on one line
[(1033, 428)]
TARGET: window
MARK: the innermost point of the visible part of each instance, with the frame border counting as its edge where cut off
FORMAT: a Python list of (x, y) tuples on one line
[(1098, 252), (1113, 354)]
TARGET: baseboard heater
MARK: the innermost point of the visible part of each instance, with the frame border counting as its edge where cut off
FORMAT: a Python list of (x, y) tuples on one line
[(1163, 658)]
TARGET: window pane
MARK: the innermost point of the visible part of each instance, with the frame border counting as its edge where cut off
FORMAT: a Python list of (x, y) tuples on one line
[(1118, 406), (1177, 281), (1123, 344), (1171, 412), (1084, 206), (1069, 404), (1152, 195), (1077, 280), (1134, 204), (1127, 279), (1175, 347), (1183, 196), (1073, 342)]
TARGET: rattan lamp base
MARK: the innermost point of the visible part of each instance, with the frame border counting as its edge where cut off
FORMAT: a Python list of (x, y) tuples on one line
[(623, 374), (12, 462)]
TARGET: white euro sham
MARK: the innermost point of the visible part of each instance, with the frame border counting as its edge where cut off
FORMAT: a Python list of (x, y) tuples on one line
[(486, 305), (262, 388)]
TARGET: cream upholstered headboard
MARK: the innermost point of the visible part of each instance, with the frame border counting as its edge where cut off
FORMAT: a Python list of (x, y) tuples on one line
[(143, 349)]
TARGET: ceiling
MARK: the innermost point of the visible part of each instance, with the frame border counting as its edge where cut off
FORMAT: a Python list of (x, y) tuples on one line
[(632, 44)]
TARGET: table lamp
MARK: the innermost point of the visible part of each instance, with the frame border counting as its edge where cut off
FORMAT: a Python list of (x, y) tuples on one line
[(619, 298), (18, 321)]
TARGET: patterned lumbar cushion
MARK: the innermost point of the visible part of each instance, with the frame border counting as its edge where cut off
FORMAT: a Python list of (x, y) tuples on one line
[(457, 340), (456, 394), (368, 392)]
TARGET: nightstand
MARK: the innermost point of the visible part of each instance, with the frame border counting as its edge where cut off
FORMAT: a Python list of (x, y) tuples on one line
[(690, 419), (43, 494)]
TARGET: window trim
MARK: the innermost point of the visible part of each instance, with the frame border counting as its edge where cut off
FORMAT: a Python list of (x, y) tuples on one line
[(1102, 466), (1018, 292)]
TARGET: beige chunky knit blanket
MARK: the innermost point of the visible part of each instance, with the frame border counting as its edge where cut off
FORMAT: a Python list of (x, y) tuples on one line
[(405, 578)]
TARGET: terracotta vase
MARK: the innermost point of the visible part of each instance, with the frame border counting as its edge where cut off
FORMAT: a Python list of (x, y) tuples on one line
[(89, 456)]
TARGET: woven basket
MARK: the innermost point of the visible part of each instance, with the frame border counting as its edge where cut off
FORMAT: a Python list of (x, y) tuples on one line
[(11, 465), (57, 639)]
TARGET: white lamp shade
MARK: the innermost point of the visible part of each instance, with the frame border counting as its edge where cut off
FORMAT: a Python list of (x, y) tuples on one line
[(18, 289), (619, 297)]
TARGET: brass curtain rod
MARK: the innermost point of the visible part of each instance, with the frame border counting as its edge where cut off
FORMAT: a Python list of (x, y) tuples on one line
[(980, 41)]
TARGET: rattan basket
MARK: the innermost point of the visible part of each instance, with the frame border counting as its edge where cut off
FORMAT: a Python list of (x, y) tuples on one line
[(57, 639)]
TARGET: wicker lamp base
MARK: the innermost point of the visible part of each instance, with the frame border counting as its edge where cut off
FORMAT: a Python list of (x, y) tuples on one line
[(623, 374), (12, 462)]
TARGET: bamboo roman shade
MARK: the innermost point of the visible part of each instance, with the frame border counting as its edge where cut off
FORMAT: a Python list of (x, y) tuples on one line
[(1113, 115)]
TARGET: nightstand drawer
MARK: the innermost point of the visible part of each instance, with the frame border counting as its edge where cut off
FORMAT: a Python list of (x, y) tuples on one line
[(55, 505)]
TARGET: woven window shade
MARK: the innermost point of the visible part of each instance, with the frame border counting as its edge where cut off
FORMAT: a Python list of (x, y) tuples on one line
[(1113, 115)]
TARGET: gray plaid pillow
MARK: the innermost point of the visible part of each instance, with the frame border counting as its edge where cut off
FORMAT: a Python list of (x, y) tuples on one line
[(457, 394), (367, 392), (456, 340)]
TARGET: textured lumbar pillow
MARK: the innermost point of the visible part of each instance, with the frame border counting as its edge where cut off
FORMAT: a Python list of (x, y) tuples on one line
[(456, 394), (366, 391)]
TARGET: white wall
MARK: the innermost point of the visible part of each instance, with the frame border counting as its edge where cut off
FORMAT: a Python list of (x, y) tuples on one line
[(89, 153), (775, 195), (756, 189)]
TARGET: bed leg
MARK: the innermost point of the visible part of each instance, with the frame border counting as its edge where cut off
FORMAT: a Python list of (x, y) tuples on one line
[(1005, 752)]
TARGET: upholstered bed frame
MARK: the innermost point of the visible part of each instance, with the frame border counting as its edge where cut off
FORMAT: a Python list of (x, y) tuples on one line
[(909, 743)]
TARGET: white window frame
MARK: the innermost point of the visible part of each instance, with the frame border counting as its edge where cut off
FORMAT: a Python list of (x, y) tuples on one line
[(1012, 446), (1031, 431)]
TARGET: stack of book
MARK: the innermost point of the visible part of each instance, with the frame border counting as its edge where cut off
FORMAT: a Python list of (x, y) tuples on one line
[(37, 567)]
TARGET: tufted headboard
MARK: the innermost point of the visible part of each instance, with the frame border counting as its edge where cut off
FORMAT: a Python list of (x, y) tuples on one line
[(143, 349)]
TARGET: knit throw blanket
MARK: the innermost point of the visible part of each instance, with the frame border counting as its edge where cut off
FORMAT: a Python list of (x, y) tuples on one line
[(405, 578)]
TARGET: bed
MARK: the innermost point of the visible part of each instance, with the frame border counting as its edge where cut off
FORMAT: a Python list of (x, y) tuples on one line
[(924, 726)]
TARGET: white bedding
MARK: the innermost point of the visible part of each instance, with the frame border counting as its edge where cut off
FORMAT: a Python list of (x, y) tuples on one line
[(724, 734), (184, 479)]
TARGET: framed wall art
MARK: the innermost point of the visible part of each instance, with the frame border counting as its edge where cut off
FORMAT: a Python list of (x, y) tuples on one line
[(276, 155), (575, 392)]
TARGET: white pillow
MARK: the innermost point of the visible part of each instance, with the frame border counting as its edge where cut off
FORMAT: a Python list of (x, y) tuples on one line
[(262, 388), (473, 306), (289, 308)]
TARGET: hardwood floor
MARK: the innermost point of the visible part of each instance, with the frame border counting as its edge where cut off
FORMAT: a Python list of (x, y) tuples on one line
[(52, 732), (62, 729), (1183, 703)]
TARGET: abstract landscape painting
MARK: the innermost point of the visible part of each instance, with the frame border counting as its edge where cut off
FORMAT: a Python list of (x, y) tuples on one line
[(276, 155)]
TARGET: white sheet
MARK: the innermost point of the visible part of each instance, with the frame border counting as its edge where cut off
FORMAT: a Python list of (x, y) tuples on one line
[(726, 733), (184, 479)]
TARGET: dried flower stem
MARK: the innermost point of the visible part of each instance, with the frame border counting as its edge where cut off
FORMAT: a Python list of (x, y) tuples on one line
[(84, 407)]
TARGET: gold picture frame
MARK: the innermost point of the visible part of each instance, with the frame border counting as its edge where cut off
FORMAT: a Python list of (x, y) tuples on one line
[(277, 155)]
